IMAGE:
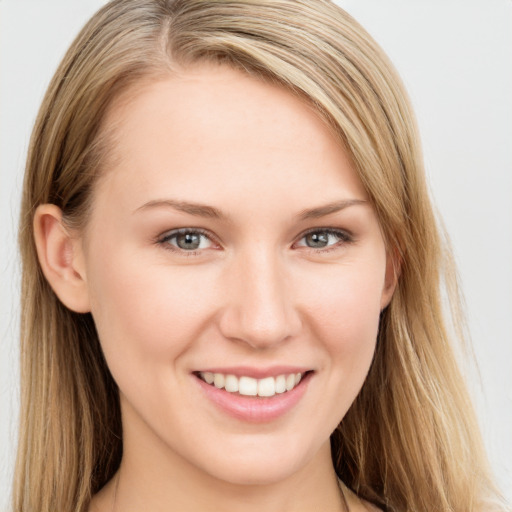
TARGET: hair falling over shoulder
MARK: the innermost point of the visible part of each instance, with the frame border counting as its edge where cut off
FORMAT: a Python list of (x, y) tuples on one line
[(410, 442)]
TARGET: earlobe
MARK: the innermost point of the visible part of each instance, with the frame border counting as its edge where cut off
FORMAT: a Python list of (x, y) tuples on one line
[(61, 259)]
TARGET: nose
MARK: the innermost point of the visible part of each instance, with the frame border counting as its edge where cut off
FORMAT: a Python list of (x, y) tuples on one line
[(259, 305)]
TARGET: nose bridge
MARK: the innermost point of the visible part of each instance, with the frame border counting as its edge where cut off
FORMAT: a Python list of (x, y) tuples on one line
[(260, 307)]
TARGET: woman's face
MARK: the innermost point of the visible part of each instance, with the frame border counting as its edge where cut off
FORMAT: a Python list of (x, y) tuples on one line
[(231, 239)]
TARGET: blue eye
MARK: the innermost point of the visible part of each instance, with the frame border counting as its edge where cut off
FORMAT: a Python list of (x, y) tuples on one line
[(187, 240), (323, 239)]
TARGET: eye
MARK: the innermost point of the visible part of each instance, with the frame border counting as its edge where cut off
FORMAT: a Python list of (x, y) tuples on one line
[(323, 239), (186, 239)]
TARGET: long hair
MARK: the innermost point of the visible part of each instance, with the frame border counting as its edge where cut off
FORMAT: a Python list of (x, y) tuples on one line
[(410, 441)]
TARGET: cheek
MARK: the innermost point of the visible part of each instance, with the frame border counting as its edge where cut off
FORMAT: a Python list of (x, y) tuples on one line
[(147, 314), (344, 313)]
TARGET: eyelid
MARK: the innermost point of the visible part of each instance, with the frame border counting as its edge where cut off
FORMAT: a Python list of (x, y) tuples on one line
[(344, 236), (164, 237)]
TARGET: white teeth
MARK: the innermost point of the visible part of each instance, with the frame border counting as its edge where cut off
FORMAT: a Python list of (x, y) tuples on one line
[(218, 380), (249, 386), (231, 384), (267, 387), (280, 384)]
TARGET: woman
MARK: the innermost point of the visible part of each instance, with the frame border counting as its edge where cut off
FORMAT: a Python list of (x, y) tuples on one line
[(232, 275)]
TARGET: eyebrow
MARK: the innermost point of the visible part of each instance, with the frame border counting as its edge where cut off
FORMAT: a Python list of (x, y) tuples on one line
[(196, 209), (203, 210), (336, 206)]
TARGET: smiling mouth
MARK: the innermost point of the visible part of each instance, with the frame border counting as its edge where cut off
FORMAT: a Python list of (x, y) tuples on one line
[(249, 386)]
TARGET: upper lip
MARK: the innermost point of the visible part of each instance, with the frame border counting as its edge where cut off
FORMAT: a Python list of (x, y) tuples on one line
[(254, 372)]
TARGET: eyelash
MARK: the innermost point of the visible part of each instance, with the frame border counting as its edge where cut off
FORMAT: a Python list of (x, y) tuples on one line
[(166, 237), (344, 238)]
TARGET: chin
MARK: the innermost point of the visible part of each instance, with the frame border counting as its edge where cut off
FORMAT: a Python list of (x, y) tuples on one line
[(249, 473), (257, 466)]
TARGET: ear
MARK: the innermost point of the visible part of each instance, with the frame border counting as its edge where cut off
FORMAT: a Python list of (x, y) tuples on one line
[(61, 258), (393, 264)]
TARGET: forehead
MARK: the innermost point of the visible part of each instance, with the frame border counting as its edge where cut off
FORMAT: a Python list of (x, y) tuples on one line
[(211, 129)]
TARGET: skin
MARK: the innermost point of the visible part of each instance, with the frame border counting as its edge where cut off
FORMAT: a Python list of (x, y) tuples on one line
[(254, 294)]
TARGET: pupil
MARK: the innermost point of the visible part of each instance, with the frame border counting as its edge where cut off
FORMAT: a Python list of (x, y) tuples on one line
[(317, 239), (188, 241)]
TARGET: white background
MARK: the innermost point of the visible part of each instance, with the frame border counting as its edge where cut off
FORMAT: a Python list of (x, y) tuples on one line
[(455, 57)]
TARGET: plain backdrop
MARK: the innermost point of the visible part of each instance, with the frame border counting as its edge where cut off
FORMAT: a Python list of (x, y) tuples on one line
[(455, 57)]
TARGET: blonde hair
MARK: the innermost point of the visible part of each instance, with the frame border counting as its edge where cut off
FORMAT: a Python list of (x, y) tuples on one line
[(410, 441)]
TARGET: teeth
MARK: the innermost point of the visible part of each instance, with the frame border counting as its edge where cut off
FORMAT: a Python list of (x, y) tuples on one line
[(248, 386), (267, 387), (208, 377), (231, 384), (218, 380), (290, 382), (280, 384)]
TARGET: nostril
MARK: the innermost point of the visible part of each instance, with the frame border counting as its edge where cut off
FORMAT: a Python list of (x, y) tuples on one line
[(259, 328), (258, 308)]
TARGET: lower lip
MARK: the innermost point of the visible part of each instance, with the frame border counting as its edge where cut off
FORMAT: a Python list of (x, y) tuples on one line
[(254, 409)]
